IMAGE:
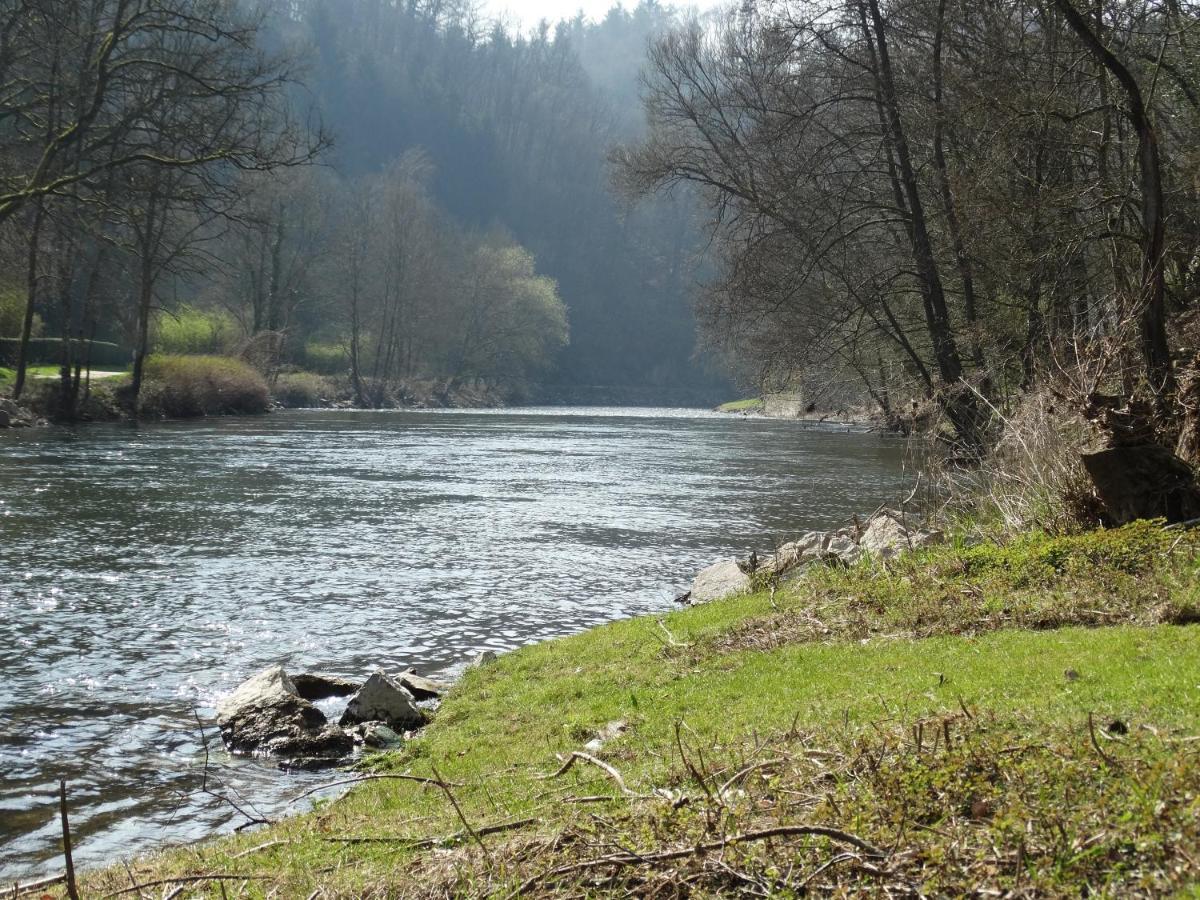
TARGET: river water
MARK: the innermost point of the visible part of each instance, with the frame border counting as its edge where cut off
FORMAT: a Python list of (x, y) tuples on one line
[(145, 571)]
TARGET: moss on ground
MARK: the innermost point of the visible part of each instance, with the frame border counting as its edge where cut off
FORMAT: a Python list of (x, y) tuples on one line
[(1019, 718)]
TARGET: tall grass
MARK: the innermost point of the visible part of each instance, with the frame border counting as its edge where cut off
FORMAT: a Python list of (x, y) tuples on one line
[(190, 386)]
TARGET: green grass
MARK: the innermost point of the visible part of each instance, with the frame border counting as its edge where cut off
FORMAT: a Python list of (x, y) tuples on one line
[(751, 404), (10, 375), (1038, 760)]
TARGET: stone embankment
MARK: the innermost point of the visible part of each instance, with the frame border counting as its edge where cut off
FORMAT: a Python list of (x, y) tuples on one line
[(13, 415), (887, 533)]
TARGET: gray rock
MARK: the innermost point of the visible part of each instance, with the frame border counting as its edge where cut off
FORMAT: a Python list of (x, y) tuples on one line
[(889, 534), (420, 687), (5, 419), (482, 659), (383, 699), (723, 579), (266, 715), (379, 737), (841, 548), (319, 686), (796, 554)]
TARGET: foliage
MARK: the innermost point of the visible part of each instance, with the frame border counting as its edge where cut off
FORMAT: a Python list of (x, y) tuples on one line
[(876, 218), (325, 359), (191, 331), (1046, 759), (190, 386)]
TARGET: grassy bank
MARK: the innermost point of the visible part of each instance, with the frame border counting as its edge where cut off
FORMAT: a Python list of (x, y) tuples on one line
[(751, 404), (1020, 718)]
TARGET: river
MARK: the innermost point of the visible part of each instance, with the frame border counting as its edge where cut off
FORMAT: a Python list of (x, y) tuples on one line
[(146, 570)]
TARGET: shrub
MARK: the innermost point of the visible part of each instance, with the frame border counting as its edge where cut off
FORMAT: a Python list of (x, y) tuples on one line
[(190, 386), (302, 390), (194, 331)]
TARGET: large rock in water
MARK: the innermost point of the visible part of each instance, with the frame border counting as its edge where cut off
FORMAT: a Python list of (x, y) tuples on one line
[(320, 686), (383, 699), (267, 715), (724, 579)]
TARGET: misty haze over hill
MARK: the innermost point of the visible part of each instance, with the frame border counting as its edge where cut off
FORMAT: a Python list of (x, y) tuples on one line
[(516, 131)]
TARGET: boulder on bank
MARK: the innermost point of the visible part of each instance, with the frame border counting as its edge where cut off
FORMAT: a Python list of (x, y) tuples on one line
[(267, 715), (723, 579), (13, 415), (889, 533), (384, 699), (886, 535)]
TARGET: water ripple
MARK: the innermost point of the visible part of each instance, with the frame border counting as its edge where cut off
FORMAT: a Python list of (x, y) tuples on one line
[(144, 571)]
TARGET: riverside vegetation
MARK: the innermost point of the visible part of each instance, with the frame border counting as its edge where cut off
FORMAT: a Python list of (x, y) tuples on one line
[(1002, 716)]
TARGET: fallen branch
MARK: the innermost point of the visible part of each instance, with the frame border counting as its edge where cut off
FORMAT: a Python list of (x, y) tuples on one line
[(252, 850), (425, 843), (441, 782), (19, 890), (630, 859), (600, 764)]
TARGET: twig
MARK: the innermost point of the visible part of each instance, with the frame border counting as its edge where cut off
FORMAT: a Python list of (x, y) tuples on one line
[(458, 809), (700, 780), (588, 758), (132, 880), (257, 818), (724, 789), (625, 859), (671, 641), (258, 848), (364, 778), (186, 879), (72, 887), (1108, 758)]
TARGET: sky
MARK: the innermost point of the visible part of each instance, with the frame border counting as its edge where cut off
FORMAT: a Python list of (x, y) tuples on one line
[(528, 12)]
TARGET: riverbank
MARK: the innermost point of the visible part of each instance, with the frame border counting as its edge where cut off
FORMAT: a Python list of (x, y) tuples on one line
[(790, 407), (1011, 718)]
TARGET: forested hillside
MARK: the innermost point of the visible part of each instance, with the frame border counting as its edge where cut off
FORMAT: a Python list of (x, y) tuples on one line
[(381, 193)]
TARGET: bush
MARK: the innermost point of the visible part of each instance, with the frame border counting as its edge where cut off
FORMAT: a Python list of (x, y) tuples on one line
[(190, 386), (48, 352), (302, 390), (194, 331), (327, 359)]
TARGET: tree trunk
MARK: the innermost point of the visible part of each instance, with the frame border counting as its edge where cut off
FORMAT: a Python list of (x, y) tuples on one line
[(1152, 302), (31, 282)]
